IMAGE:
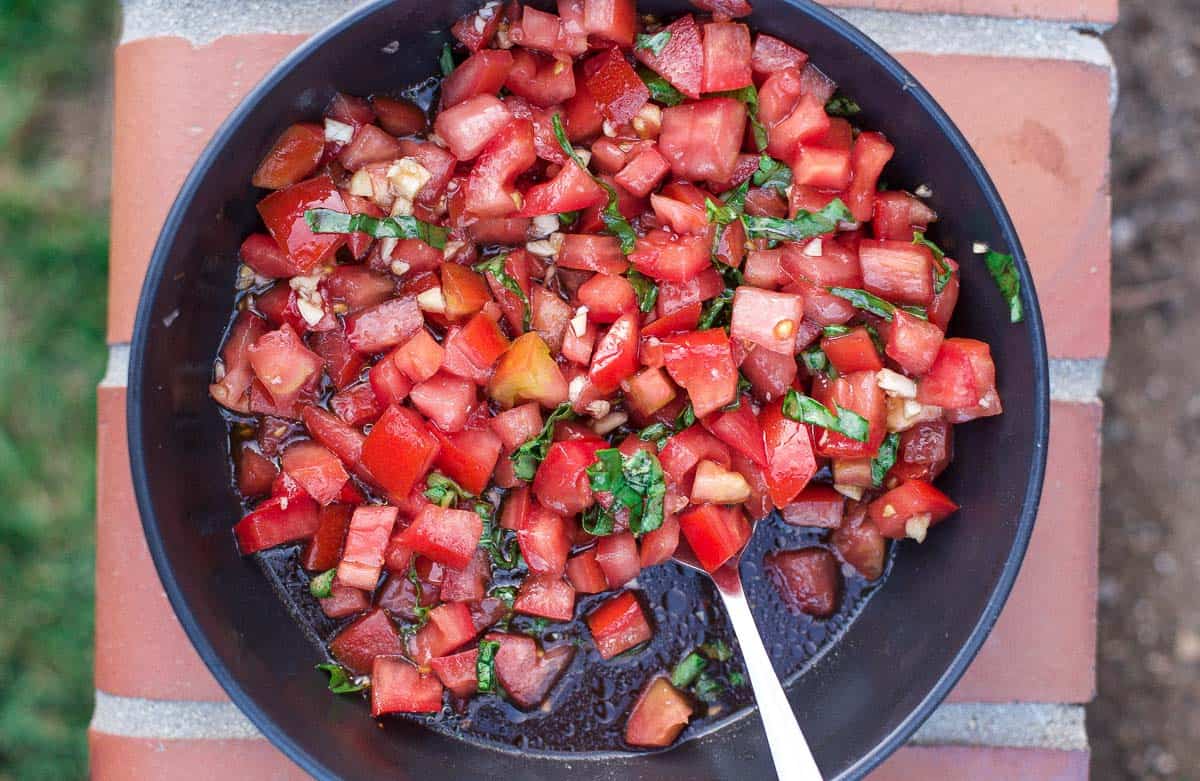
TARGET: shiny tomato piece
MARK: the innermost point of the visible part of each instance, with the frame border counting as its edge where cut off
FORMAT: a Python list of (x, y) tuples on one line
[(370, 145), (350, 110), (659, 545), (686, 318), (549, 316), (942, 308), (344, 601), (286, 368), (399, 450), (445, 399), (469, 126), (517, 425), (615, 356), (384, 325), (561, 482), (684, 450), (283, 213), (899, 271), (643, 172), (397, 116), (960, 375), (853, 352), (581, 119), (260, 252), (926, 450), (450, 626), (817, 505), (255, 472), (548, 33), (542, 80), (276, 521), (324, 550), (465, 291), (611, 20), (544, 539), (681, 61), (658, 716), (458, 672), (649, 391), (806, 579), (679, 215), (715, 533), (870, 154), (806, 122), (389, 384), (816, 166), (571, 189), (483, 73), (342, 363), (480, 343), (853, 471), (434, 159), (526, 676), (477, 29), (420, 357), (862, 547), (702, 139), (469, 457), (335, 434), (517, 503), (318, 471), (619, 624), (673, 296), (766, 318), (489, 190), (740, 430), (614, 84), (663, 255), (607, 297), (398, 687), (702, 364), (913, 343), (790, 460), (909, 510), (367, 539), (859, 393), (588, 252), (527, 372), (578, 349), (468, 584), (897, 215), (771, 55), (584, 573), (618, 558), (445, 535), (546, 596), (358, 287), (357, 645), (294, 156), (727, 55)]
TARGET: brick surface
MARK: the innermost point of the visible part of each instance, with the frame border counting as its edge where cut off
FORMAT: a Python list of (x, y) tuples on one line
[(116, 758), (141, 650), (1093, 11), (952, 763)]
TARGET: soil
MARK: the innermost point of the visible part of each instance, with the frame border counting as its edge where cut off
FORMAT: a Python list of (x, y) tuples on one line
[(1146, 720)]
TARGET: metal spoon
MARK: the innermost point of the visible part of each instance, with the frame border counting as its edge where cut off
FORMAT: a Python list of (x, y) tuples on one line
[(789, 749)]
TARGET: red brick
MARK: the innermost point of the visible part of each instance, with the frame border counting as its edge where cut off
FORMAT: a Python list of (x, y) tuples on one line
[(116, 758), (1043, 648), (141, 650), (1095, 11), (960, 763)]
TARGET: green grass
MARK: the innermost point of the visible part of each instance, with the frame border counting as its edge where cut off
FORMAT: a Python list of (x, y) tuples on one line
[(53, 246)]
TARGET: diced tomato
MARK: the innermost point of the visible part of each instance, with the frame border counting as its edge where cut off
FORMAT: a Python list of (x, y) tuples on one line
[(468, 584), (546, 596), (649, 391), (389, 384), (517, 425), (816, 166), (853, 471), (571, 190), (870, 154), (897, 215), (617, 556), (350, 110), (807, 579), (817, 505), (901, 511), (458, 672), (357, 645), (592, 253), (585, 574), (727, 54), (681, 61), (527, 372), (420, 357), (483, 73), (490, 190), (358, 287), (366, 541), (618, 625), (644, 170), (255, 472), (283, 213), (344, 601), (863, 547), (607, 297), (479, 344), (766, 318), (771, 55), (475, 30), (446, 535), (544, 539), (546, 32), (658, 716), (335, 434), (615, 356), (319, 472), (399, 450), (926, 450), (526, 676), (763, 269), (678, 215), (701, 139), (618, 91), (790, 460), (942, 308), (715, 533), (683, 319), (469, 457), (561, 482), (673, 296), (286, 368), (434, 159), (294, 156), (276, 521), (702, 364), (260, 252), (853, 351), (611, 20), (960, 376), (370, 145), (384, 325), (581, 119), (398, 687), (325, 549), (663, 255), (399, 117), (450, 626), (684, 450), (542, 80), (740, 430), (806, 122), (901, 272), (659, 545), (859, 393), (468, 126), (445, 399), (913, 343)]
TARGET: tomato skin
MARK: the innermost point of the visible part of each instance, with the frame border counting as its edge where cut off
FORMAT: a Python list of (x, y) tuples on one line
[(913, 343), (702, 140), (370, 145), (260, 252), (681, 61), (469, 126), (445, 535), (715, 533), (790, 460), (614, 84), (276, 521), (561, 482), (870, 154), (542, 80), (571, 189), (547, 596), (766, 318), (901, 272), (285, 366), (612, 20), (618, 624), (701, 363), (489, 189), (607, 297), (617, 556), (318, 471), (807, 579), (852, 352), (366, 540), (399, 450), (526, 676), (659, 715), (817, 505), (665, 256), (343, 439), (862, 547), (615, 356), (357, 645), (483, 73), (771, 55), (895, 508), (283, 213), (294, 155), (527, 372), (960, 376), (398, 687), (740, 430), (727, 55)]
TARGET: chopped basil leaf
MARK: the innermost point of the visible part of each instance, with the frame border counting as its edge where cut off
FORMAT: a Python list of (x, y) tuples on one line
[(598, 521), (685, 418), (443, 491), (737, 679), (321, 586), (506, 594), (446, 60), (340, 681), (644, 288), (718, 311), (567, 219), (653, 43), (614, 222), (687, 671), (772, 174), (1004, 272), (485, 666), (868, 302), (527, 457), (876, 338), (656, 433), (399, 227), (806, 409), (885, 459), (495, 266), (804, 225), (944, 272), (721, 214), (916, 311), (499, 543), (749, 96), (636, 482), (833, 331), (717, 650), (661, 90), (841, 106), (743, 386), (707, 688), (815, 359)]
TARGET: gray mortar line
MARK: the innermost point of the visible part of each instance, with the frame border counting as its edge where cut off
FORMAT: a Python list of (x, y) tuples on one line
[(1015, 725)]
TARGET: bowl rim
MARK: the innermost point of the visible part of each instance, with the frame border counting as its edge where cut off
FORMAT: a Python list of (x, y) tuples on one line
[(817, 13)]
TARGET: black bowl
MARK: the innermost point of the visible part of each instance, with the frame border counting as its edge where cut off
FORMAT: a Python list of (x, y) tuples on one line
[(858, 701)]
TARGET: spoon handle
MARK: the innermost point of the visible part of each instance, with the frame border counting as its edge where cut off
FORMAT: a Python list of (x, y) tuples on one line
[(789, 749)]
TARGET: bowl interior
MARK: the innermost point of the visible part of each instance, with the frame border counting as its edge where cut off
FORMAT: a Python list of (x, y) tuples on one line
[(856, 703)]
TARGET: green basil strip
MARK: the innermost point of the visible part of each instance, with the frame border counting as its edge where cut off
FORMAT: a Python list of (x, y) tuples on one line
[(804, 225), (717, 312), (685, 418), (527, 457), (443, 491), (656, 433), (916, 311), (718, 650), (661, 90), (614, 222), (749, 96), (399, 227), (815, 359), (321, 586), (1004, 272), (841, 105), (485, 666), (868, 302), (834, 331), (598, 521), (687, 671), (885, 459), (806, 409), (499, 543), (653, 43), (772, 174), (944, 272), (636, 482), (495, 266), (340, 681), (644, 288)]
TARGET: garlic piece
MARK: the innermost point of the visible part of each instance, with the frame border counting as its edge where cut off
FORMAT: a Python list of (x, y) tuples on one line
[(896, 384), (432, 300), (338, 132), (609, 422), (543, 225), (854, 492), (917, 526), (598, 408), (360, 184), (399, 267), (407, 176), (815, 248), (579, 322)]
